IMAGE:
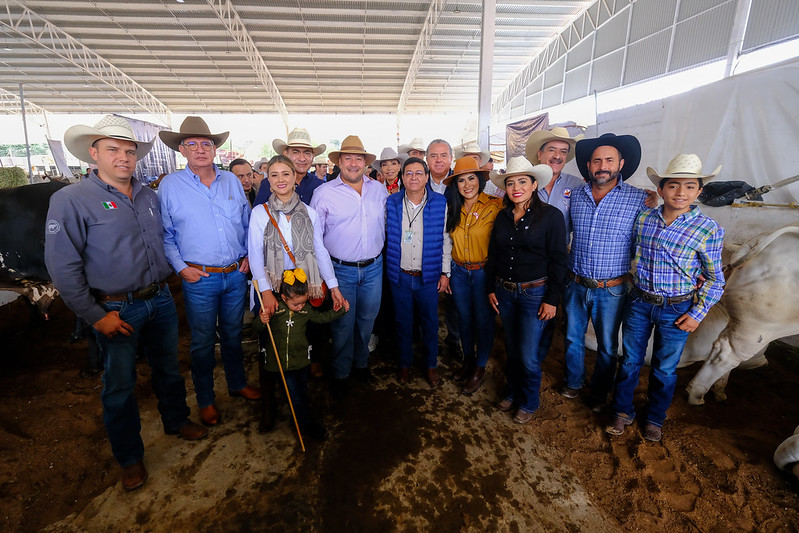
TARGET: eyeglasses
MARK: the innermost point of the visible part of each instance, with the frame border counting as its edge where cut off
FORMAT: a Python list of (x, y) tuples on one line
[(193, 145), (418, 174)]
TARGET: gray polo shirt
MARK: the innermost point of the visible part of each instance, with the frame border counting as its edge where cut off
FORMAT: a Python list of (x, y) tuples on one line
[(96, 238), (561, 197)]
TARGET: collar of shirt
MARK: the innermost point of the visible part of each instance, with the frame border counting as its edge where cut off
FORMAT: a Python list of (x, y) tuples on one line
[(692, 213), (95, 178)]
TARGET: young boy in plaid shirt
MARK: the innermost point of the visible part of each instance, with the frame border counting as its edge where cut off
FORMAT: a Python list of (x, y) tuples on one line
[(674, 245)]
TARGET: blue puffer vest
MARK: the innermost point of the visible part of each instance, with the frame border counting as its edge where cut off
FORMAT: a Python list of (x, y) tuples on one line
[(432, 238)]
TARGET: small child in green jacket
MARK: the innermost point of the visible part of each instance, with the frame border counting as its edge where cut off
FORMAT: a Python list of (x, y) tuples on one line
[(288, 328)]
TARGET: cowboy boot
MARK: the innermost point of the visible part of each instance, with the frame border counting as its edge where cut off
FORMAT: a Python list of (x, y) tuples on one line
[(474, 381)]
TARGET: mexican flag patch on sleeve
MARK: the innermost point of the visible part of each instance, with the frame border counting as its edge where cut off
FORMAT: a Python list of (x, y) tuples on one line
[(110, 205)]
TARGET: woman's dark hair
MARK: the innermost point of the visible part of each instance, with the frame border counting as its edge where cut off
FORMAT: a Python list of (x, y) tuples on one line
[(298, 288), (536, 205), (455, 200)]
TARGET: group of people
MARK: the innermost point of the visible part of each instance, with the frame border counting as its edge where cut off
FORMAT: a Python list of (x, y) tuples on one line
[(320, 251)]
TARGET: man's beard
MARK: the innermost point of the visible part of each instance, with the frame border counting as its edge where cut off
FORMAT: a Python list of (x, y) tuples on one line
[(604, 177)]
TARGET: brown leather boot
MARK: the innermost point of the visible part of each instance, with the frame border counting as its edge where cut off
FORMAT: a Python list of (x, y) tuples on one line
[(474, 381), (464, 372)]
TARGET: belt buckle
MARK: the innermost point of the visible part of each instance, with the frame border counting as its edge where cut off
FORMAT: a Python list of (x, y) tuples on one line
[(509, 286), (590, 283), (149, 291)]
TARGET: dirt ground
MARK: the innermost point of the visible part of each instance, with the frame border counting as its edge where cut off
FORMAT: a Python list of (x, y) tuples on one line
[(399, 458)]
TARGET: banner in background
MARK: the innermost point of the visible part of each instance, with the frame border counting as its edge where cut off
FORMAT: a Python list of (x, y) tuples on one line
[(57, 149), (161, 158), (517, 133)]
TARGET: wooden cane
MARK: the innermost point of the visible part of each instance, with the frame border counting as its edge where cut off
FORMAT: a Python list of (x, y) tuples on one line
[(279, 365)]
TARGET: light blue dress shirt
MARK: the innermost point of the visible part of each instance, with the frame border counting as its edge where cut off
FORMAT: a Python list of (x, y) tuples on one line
[(203, 225)]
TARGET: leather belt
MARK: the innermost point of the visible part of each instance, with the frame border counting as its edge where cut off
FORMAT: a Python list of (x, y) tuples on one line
[(600, 283), (145, 293), (414, 273), (359, 264), (470, 266), (511, 286), (659, 299), (217, 270)]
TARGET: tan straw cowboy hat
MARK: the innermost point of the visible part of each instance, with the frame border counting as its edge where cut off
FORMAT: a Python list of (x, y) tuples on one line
[(78, 139), (682, 166), (472, 148), (539, 138), (191, 127), (416, 144), (351, 145), (466, 165), (299, 138), (519, 165)]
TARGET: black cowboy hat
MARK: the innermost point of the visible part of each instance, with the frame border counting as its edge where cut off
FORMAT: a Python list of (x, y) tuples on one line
[(627, 145)]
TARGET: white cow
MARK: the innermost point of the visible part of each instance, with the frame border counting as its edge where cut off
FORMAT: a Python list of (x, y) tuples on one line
[(787, 454), (761, 306)]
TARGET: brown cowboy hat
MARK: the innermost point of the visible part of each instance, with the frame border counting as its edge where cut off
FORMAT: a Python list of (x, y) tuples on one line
[(191, 127), (466, 165), (352, 145)]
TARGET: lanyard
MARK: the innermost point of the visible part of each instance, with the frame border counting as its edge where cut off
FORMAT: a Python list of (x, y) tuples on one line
[(419, 209)]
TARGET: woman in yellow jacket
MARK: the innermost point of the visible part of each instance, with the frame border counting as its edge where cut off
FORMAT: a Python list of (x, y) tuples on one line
[(470, 218)]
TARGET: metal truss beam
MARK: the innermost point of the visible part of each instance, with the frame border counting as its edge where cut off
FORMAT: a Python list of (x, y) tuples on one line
[(230, 18), (422, 45), (586, 22), (26, 23), (10, 105)]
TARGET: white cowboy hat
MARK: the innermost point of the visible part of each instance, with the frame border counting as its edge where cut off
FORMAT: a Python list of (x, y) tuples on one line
[(472, 148), (319, 160), (519, 165), (682, 166), (388, 154), (300, 138), (78, 139), (192, 127), (416, 144), (539, 138), (351, 145), (260, 162)]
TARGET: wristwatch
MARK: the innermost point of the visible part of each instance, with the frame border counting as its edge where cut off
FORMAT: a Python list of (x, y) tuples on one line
[(448, 274)]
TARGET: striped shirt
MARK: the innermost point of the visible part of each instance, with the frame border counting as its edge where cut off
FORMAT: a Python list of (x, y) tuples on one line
[(602, 240), (671, 258)]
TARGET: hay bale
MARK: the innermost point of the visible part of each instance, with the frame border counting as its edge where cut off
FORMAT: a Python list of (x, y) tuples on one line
[(12, 177)]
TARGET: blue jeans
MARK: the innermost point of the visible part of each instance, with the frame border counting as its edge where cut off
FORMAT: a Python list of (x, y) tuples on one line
[(639, 319), (476, 315), (297, 383), (155, 325), (414, 300), (605, 308), (519, 313), (219, 300), (362, 288)]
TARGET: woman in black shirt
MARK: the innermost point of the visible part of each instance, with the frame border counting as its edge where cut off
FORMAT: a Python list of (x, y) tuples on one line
[(527, 263)]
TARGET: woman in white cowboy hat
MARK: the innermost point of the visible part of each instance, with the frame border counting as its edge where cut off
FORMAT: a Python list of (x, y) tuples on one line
[(470, 218), (388, 165), (527, 266)]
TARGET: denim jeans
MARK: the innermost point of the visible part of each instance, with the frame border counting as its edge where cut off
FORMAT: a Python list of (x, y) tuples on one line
[(297, 383), (362, 288), (155, 325), (639, 320), (519, 313), (476, 315), (605, 308), (219, 300), (415, 300)]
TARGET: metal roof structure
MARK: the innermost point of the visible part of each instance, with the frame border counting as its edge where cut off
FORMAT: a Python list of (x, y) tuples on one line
[(358, 56), (300, 56)]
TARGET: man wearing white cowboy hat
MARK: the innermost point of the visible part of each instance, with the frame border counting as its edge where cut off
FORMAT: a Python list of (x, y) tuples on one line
[(674, 245), (104, 250), (415, 148), (299, 149), (554, 147), (603, 212), (206, 216), (260, 167), (482, 157), (389, 164), (321, 165), (351, 210)]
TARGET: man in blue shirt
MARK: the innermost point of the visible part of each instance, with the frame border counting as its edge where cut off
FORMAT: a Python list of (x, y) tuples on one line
[(299, 149), (206, 216), (602, 214)]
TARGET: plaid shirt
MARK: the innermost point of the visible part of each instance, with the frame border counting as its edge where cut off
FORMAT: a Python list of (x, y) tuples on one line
[(602, 241), (671, 258)]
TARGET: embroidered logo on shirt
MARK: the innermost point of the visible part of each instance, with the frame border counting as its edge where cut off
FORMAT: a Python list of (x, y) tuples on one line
[(110, 205), (53, 226), (567, 193)]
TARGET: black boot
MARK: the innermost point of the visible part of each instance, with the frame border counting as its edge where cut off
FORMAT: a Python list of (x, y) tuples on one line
[(466, 370)]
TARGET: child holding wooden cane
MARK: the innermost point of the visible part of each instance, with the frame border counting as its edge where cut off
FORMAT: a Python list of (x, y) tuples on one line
[(288, 328)]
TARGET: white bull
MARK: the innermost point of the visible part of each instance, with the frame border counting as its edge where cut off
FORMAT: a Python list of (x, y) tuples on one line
[(760, 304)]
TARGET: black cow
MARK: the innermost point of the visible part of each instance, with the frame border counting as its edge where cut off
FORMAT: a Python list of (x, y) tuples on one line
[(23, 222)]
